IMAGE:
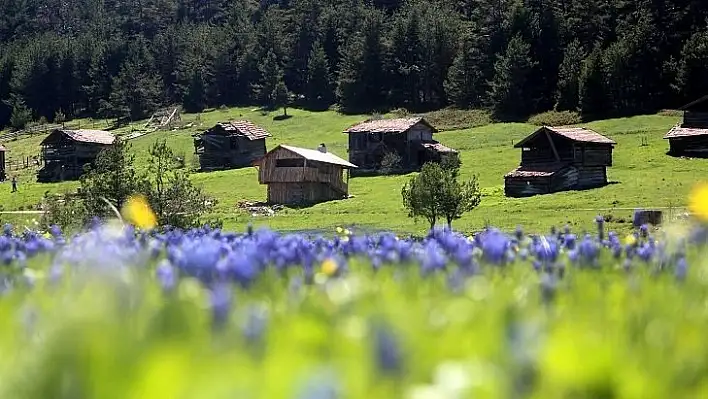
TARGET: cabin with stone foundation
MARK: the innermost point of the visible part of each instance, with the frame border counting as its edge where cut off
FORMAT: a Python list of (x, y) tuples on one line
[(230, 145), (66, 153), (560, 159), (301, 176), (689, 138), (411, 139)]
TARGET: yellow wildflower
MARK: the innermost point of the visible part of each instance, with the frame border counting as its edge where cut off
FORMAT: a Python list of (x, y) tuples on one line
[(329, 267), (340, 230), (347, 232), (630, 240), (698, 201), (138, 212)]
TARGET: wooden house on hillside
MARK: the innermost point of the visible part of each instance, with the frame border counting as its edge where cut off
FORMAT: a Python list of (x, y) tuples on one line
[(67, 152), (690, 137), (302, 176), (230, 145), (410, 138), (560, 159), (3, 175)]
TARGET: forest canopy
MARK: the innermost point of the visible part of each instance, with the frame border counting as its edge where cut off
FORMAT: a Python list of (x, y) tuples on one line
[(111, 58)]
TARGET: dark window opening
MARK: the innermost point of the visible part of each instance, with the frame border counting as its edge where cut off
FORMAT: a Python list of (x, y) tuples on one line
[(289, 163)]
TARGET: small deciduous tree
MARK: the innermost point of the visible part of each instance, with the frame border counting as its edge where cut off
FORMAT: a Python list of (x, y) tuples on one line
[(436, 193), (176, 201), (421, 195), (112, 177), (281, 96)]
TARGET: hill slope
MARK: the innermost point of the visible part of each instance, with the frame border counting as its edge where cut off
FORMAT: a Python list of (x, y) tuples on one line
[(644, 175)]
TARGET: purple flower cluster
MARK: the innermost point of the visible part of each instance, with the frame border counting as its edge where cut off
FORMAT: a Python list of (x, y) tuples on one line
[(215, 257)]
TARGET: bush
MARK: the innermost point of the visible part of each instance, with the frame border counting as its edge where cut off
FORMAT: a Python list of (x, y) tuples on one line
[(556, 118), (59, 117), (62, 210), (390, 163), (21, 116)]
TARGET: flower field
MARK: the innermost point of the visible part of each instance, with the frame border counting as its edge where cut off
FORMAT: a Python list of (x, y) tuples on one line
[(116, 312)]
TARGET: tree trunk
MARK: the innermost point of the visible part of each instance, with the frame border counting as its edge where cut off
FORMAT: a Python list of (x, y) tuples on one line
[(285, 111)]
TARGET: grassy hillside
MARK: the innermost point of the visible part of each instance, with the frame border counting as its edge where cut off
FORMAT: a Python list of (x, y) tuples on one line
[(643, 176)]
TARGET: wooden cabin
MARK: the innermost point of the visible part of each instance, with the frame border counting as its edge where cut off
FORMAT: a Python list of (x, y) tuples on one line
[(3, 174), (560, 159), (299, 176), (690, 137), (410, 138), (66, 152), (230, 145)]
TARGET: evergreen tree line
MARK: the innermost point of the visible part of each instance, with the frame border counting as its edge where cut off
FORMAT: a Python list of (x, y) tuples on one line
[(124, 59)]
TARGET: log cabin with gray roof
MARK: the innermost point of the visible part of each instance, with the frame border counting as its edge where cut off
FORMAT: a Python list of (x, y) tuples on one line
[(409, 138), (230, 145), (559, 159), (302, 176), (66, 153), (689, 138)]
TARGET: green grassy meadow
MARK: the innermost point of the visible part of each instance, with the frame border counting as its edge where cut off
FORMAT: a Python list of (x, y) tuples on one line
[(642, 176)]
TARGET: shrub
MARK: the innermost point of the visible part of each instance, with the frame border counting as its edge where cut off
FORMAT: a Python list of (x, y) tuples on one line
[(390, 163), (556, 118), (62, 210), (21, 116), (59, 117)]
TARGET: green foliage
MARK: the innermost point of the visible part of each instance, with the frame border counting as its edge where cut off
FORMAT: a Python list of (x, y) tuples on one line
[(458, 119), (568, 91), (556, 118), (320, 94), (281, 96), (176, 201), (21, 115), (591, 85), (136, 91), (65, 210), (271, 75), (435, 193), (508, 90), (112, 178), (458, 198), (465, 84), (390, 163), (451, 163), (59, 117)]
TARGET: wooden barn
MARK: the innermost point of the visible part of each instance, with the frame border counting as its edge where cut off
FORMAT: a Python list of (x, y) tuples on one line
[(560, 159), (299, 176), (67, 152), (230, 145), (410, 138), (3, 174), (690, 137)]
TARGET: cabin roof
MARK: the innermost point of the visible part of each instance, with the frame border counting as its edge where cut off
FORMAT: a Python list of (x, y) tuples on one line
[(577, 134), (438, 147), (396, 125), (678, 131), (538, 170), (242, 128), (316, 155), (84, 136), (692, 103)]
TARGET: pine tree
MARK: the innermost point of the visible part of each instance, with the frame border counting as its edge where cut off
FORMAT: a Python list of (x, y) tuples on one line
[(567, 93), (195, 96), (319, 87), (465, 84), (591, 85), (405, 59), (692, 72), (135, 93), (361, 85), (508, 93), (270, 75), (281, 96)]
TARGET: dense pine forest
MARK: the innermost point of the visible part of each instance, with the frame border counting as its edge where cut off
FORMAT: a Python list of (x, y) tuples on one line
[(125, 58)]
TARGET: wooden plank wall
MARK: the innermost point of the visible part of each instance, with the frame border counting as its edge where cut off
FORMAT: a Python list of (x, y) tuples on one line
[(525, 187), (591, 176), (301, 193), (696, 145)]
